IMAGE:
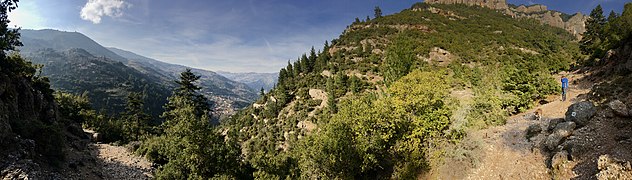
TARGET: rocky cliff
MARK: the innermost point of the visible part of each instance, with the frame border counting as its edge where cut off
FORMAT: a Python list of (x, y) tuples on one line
[(574, 25)]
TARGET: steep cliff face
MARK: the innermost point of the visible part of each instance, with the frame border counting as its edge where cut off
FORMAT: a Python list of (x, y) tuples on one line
[(575, 25), (32, 135)]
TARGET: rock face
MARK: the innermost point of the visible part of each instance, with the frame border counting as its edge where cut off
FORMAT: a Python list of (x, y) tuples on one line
[(581, 113), (575, 25), (531, 9)]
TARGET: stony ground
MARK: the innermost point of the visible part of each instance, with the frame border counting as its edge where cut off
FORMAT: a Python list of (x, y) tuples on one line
[(503, 152), (118, 163)]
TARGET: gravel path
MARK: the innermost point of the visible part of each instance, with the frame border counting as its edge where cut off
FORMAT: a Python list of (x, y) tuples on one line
[(118, 163), (505, 153)]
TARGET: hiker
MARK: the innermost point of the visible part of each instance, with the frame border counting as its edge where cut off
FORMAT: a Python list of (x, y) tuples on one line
[(564, 87)]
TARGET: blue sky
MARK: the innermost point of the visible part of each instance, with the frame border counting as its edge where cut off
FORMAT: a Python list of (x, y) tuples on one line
[(229, 35)]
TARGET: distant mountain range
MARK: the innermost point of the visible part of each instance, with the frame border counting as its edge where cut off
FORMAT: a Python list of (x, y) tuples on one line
[(77, 64), (253, 80)]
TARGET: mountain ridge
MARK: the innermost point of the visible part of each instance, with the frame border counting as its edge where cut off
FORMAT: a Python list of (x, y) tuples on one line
[(229, 95), (574, 25)]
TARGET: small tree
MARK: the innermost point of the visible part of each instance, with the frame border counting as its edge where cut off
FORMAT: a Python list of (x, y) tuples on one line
[(378, 12), (136, 121)]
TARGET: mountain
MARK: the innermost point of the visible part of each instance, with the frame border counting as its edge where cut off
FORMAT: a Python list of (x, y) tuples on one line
[(253, 80), (105, 81), (213, 84), (395, 96), (574, 24), (40, 45)]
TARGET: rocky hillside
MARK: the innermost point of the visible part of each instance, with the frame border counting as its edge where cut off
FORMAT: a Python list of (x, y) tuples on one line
[(390, 95), (40, 45), (575, 24)]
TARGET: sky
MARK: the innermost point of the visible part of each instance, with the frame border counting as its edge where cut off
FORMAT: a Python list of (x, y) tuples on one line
[(228, 35)]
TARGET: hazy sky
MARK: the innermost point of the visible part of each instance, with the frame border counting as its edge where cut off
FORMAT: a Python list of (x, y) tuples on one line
[(229, 35)]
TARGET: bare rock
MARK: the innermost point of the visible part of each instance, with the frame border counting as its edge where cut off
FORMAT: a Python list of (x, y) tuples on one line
[(97, 137), (581, 113), (553, 123), (561, 131), (559, 159), (619, 108), (564, 129), (533, 130), (610, 168)]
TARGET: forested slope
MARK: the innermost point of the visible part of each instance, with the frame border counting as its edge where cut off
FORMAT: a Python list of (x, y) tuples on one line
[(382, 99)]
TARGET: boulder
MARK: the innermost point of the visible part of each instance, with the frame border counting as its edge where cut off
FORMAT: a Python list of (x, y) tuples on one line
[(561, 131), (559, 158), (533, 130), (552, 141), (564, 129), (553, 123), (581, 113), (97, 137), (619, 108)]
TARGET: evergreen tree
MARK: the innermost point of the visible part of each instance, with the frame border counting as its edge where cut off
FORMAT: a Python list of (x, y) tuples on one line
[(305, 65), (136, 121), (368, 19), (297, 68), (357, 20), (283, 74), (187, 93), (613, 15), (289, 69), (594, 32), (378, 12)]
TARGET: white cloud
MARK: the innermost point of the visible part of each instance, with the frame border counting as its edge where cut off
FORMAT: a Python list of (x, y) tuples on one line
[(95, 9)]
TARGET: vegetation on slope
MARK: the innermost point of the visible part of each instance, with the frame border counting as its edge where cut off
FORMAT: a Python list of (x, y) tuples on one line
[(389, 106)]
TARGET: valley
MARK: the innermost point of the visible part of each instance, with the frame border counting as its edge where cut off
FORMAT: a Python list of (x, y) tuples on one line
[(440, 89)]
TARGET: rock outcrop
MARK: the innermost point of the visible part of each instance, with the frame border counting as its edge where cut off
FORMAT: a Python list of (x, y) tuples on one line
[(531, 9), (575, 25)]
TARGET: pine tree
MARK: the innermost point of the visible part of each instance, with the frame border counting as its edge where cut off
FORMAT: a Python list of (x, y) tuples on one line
[(305, 64), (594, 32), (613, 15), (136, 121), (378, 12), (187, 93), (289, 69)]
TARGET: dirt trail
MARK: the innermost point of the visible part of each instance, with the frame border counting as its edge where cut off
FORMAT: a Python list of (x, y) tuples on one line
[(505, 153), (118, 163)]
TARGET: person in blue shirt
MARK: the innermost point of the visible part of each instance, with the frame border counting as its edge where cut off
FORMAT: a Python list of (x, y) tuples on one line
[(564, 87)]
